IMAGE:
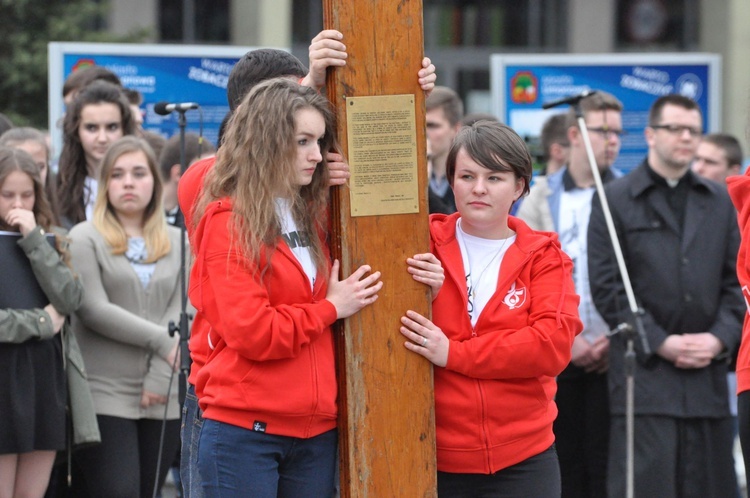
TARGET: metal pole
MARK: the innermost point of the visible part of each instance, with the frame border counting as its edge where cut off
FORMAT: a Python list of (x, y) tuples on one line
[(188, 21)]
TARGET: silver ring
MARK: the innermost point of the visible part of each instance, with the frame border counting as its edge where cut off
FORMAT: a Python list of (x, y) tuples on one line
[(424, 341)]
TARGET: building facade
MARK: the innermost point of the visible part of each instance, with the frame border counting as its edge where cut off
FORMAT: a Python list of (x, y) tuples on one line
[(460, 35)]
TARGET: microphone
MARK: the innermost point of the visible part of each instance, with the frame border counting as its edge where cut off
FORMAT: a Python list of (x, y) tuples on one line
[(570, 100), (164, 108)]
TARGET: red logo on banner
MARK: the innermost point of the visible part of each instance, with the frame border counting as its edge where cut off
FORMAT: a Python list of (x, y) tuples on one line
[(524, 88), (82, 64)]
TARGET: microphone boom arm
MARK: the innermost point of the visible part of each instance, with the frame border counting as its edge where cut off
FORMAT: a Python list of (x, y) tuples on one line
[(627, 284)]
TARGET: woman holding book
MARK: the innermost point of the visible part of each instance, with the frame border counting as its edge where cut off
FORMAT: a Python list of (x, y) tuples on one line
[(129, 262), (33, 341)]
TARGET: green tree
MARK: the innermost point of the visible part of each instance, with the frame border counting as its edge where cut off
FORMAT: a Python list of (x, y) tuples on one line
[(26, 26)]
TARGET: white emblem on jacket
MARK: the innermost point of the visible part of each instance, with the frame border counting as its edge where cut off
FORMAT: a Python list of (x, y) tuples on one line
[(515, 298)]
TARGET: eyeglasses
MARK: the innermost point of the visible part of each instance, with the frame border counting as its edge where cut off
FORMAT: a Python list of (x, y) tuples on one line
[(679, 129), (607, 132)]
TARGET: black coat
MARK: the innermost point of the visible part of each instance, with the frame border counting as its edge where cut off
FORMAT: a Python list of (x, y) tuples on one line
[(445, 204), (685, 284)]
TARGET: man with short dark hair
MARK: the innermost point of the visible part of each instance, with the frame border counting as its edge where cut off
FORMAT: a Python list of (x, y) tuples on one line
[(679, 240), (555, 143), (719, 155), (443, 119)]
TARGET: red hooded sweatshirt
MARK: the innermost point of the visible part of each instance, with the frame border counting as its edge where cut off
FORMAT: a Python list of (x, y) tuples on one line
[(188, 191), (270, 364), (494, 400), (739, 191)]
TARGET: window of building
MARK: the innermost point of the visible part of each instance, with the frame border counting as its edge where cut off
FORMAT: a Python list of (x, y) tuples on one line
[(209, 21), (657, 24), (460, 36), (536, 24)]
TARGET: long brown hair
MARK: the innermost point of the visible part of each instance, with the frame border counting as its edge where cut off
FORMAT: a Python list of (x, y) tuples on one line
[(17, 137), (72, 164), (154, 222), (12, 159), (256, 164)]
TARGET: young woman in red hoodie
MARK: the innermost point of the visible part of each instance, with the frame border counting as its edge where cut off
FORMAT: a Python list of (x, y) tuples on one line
[(263, 282), (739, 191), (502, 326)]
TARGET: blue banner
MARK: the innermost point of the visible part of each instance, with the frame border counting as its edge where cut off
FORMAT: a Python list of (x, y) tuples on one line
[(170, 73), (523, 84), (171, 79)]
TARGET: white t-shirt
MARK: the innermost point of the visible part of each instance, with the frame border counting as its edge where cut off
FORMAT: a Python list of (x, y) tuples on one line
[(298, 242), (90, 187), (573, 223), (136, 255), (481, 258)]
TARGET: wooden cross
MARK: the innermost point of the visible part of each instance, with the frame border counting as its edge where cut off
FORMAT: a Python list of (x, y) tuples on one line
[(387, 425)]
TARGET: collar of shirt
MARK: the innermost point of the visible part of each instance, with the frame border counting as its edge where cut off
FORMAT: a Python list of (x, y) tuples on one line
[(570, 184), (687, 180)]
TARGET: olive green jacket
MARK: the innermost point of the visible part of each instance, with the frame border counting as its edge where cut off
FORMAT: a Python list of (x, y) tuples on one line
[(65, 293)]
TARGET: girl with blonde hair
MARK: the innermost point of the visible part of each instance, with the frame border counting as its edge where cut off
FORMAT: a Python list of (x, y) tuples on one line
[(129, 262)]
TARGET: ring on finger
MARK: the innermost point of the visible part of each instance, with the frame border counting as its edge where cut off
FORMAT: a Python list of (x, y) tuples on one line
[(424, 341)]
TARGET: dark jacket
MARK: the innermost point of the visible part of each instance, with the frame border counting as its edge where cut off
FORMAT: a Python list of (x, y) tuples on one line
[(685, 284), (443, 204), (64, 292)]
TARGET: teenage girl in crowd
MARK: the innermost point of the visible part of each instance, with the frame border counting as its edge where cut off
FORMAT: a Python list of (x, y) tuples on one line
[(34, 142), (33, 342), (99, 115), (129, 263), (263, 281), (502, 328)]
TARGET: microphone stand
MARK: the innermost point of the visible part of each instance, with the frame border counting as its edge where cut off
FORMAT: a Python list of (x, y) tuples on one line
[(183, 327), (625, 328)]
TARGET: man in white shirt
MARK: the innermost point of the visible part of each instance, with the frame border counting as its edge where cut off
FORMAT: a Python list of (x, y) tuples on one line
[(561, 202)]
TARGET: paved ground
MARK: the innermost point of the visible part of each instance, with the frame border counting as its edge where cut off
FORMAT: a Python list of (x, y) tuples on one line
[(169, 490)]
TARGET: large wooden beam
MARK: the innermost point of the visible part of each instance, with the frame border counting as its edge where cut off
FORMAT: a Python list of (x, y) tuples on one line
[(387, 426)]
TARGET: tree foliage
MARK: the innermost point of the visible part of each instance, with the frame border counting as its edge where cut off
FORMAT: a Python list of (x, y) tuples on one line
[(26, 26)]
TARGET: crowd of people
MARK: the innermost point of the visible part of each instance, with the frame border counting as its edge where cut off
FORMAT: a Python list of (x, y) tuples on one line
[(529, 382)]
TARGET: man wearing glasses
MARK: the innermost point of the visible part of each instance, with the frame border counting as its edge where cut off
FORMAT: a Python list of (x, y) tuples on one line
[(561, 202), (679, 238)]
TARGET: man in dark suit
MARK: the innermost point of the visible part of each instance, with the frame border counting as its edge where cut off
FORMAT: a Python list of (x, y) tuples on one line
[(680, 238)]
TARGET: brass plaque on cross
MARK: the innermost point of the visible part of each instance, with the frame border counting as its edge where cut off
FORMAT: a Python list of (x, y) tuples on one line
[(382, 143)]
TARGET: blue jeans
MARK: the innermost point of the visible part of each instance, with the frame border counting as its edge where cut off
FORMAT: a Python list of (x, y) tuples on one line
[(238, 462), (192, 422)]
